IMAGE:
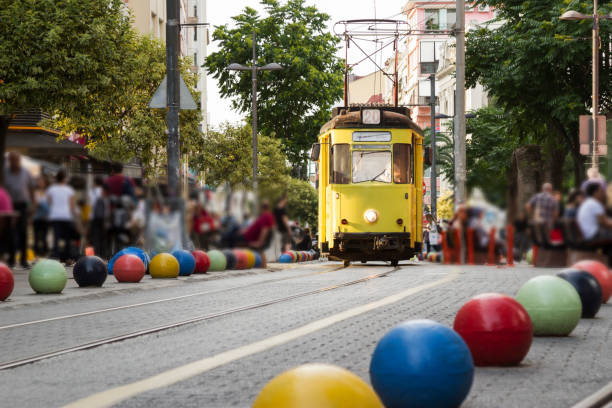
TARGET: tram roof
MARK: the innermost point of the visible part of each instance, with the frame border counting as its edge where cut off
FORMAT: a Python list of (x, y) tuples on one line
[(391, 117)]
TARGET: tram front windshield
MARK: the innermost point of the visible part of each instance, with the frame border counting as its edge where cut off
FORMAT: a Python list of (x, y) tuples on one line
[(371, 165)]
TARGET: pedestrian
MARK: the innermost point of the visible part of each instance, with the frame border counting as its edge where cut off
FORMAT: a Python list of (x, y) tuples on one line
[(591, 217), (40, 220), (543, 208), (20, 186), (282, 223), (257, 235), (305, 243), (118, 184), (6, 217), (426, 240), (574, 199), (62, 209), (100, 223)]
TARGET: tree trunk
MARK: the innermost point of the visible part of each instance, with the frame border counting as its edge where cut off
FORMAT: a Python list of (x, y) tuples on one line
[(526, 176), (4, 124), (556, 159)]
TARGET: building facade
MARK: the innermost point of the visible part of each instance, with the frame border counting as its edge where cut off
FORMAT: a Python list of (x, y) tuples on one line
[(149, 18)]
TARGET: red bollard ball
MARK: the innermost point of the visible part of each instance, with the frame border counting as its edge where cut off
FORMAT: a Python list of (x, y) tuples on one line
[(496, 328), (129, 268), (7, 282), (601, 273), (241, 259), (202, 261)]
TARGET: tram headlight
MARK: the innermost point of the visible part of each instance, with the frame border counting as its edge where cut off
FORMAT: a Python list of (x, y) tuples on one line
[(371, 216)]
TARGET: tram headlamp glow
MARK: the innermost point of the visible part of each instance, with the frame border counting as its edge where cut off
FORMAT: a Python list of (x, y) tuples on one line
[(371, 216)]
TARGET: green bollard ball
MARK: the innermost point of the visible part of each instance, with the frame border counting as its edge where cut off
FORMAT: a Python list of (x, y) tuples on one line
[(218, 262), (529, 256), (553, 305), (48, 276)]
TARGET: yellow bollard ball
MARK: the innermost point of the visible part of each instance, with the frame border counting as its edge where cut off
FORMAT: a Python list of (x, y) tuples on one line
[(317, 385), (250, 259), (164, 266)]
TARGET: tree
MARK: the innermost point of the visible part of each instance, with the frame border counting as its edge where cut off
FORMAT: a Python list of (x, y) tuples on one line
[(295, 102), (58, 54), (226, 159), (538, 66), (121, 126)]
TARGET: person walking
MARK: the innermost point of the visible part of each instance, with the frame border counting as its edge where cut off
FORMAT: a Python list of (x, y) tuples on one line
[(40, 219), (61, 215), (19, 184)]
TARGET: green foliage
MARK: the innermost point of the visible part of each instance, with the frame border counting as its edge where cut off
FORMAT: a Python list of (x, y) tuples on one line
[(121, 126), (539, 67), (445, 163), (58, 54), (295, 102), (302, 202), (227, 158)]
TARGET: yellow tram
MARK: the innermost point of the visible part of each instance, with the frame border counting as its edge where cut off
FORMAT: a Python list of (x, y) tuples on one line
[(370, 177)]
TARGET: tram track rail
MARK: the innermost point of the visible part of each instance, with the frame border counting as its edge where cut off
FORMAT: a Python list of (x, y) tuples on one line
[(197, 319), (157, 301)]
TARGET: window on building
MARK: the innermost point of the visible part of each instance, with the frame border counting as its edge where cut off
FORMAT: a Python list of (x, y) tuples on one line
[(451, 19), (340, 163), (402, 172), (430, 52), (432, 19)]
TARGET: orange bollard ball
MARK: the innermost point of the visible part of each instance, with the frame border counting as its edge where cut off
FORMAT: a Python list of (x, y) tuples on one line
[(601, 273), (241, 259)]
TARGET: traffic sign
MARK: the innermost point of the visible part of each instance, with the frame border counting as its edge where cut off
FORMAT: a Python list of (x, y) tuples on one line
[(586, 135)]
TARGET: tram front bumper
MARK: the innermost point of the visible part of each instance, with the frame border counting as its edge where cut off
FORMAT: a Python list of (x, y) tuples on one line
[(372, 246)]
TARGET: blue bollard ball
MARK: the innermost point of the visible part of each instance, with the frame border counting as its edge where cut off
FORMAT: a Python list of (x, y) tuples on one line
[(258, 260), (421, 363), (285, 258), (186, 262)]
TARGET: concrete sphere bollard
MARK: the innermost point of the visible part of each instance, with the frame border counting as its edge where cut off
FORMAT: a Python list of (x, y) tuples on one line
[(601, 273), (48, 276), (164, 266), (129, 269), (202, 261), (7, 282), (89, 271), (421, 364), (496, 328), (588, 289), (218, 262), (317, 386), (552, 303)]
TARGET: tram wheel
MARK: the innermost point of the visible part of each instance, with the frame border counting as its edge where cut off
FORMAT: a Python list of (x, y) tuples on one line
[(347, 264), (394, 263)]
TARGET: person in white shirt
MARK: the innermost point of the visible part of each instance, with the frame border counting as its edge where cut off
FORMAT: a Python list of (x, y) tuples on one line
[(591, 218), (60, 197)]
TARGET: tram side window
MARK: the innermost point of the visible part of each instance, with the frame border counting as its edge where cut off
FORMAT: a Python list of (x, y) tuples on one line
[(340, 172), (402, 163)]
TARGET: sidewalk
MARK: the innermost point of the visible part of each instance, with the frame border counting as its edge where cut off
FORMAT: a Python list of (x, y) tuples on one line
[(24, 295)]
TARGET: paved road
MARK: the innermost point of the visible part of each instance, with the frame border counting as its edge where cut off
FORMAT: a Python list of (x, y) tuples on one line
[(238, 353)]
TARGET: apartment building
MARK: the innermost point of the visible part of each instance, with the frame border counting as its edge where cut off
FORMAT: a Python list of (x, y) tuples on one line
[(149, 18)]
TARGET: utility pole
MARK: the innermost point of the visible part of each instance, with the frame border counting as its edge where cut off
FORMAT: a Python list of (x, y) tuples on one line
[(173, 95), (595, 84), (459, 128), (433, 188), (254, 112)]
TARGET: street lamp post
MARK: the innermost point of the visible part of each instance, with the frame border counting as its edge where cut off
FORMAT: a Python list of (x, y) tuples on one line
[(254, 70), (572, 15)]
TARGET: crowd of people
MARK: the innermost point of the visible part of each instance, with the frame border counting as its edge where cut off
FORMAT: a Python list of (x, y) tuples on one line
[(107, 216), (111, 214)]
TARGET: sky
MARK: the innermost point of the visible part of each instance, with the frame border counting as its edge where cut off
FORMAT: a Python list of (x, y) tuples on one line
[(219, 12)]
